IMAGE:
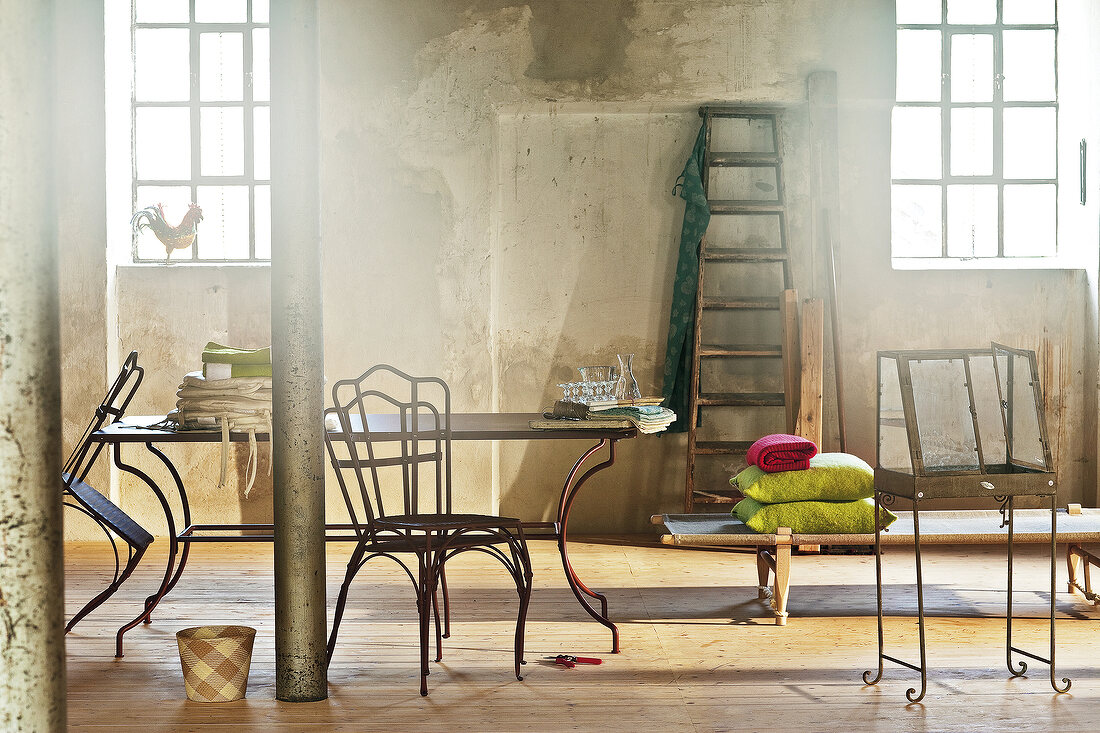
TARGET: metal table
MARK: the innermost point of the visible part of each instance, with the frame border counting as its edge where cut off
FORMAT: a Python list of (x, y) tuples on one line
[(466, 426)]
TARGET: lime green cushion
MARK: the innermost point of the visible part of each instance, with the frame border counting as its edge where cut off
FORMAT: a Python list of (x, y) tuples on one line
[(812, 517), (830, 477)]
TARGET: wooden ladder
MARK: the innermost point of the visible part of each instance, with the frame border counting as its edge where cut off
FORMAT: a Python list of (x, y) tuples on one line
[(744, 283)]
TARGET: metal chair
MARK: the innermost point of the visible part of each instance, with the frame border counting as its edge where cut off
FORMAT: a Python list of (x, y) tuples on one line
[(389, 442), (79, 495)]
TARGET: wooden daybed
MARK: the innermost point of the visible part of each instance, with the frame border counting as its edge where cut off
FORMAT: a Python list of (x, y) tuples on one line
[(1076, 527)]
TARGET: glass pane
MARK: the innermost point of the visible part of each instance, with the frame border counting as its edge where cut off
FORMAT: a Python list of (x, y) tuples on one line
[(263, 222), (919, 12), (987, 404), (162, 65), (175, 200), (1020, 405), (972, 221), (221, 11), (259, 11), (224, 230), (916, 221), (261, 66), (221, 67), (918, 66), (1029, 66), (971, 12), (222, 141), (1030, 220), (944, 423), (1028, 11), (893, 445), (163, 142), (261, 117), (161, 11), (972, 68), (972, 141), (915, 143), (1030, 141)]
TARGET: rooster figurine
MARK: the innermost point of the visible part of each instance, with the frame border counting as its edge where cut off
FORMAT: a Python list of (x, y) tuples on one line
[(172, 237)]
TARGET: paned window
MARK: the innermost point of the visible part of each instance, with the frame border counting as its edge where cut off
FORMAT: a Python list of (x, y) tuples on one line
[(200, 116), (974, 130)]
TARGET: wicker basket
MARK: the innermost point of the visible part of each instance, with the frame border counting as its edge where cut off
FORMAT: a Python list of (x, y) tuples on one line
[(215, 661)]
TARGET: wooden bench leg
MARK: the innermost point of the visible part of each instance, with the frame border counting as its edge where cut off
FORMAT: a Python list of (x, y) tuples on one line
[(1073, 562), (763, 570), (782, 574)]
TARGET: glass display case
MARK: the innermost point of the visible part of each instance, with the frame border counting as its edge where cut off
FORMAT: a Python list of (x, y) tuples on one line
[(961, 422)]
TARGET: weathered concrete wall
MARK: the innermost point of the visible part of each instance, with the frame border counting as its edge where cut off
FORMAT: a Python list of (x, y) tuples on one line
[(497, 209)]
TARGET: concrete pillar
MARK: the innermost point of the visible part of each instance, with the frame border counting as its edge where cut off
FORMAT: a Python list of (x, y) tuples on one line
[(298, 355), (32, 646)]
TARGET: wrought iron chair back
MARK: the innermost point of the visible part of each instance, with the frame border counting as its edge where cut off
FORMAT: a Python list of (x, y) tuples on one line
[(388, 438), (413, 454), (79, 495), (111, 409)]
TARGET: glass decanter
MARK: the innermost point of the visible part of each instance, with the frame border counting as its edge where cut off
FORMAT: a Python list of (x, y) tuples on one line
[(626, 388)]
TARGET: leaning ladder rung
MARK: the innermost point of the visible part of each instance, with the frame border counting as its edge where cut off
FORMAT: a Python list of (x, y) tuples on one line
[(742, 399), (745, 160), (742, 351), (755, 303), (737, 206), (745, 254), (722, 447)]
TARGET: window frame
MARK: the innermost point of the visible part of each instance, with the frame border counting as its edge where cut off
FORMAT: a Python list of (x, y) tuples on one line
[(998, 105), (195, 105)]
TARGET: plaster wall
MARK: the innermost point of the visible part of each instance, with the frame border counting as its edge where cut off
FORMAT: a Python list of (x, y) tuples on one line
[(497, 209)]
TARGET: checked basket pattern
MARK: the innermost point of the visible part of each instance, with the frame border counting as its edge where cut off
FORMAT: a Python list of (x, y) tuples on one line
[(215, 661)]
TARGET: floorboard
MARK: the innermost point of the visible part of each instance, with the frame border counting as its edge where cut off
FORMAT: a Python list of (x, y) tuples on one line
[(700, 653)]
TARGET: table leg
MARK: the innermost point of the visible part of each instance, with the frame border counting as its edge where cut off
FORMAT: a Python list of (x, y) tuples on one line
[(151, 601), (1008, 601), (878, 588), (1053, 581), (920, 609), (565, 503), (173, 545)]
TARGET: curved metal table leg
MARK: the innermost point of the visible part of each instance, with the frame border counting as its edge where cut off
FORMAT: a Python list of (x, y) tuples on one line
[(565, 503), (909, 694), (173, 545), (151, 601), (878, 588)]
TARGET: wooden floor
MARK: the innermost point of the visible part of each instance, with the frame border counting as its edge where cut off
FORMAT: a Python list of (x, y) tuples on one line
[(700, 653)]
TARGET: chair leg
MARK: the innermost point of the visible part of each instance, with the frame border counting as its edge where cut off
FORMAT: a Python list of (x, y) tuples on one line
[(523, 575), (446, 603), (423, 594), (338, 614), (438, 627)]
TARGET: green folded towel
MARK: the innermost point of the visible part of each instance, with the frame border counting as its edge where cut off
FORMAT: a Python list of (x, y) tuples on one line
[(830, 477), (812, 517), (215, 370), (216, 353)]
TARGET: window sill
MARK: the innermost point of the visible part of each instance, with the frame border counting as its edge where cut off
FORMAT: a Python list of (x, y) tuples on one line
[(188, 264), (986, 263)]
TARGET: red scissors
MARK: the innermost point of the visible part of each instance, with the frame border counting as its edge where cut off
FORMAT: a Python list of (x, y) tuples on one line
[(569, 661)]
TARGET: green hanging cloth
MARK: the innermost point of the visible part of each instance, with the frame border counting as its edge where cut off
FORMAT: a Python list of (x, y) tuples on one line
[(681, 321)]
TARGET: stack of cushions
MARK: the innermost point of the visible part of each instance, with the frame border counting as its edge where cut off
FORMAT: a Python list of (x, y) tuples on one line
[(831, 496)]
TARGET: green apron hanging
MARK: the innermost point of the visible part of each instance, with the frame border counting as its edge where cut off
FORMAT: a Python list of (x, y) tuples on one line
[(681, 321)]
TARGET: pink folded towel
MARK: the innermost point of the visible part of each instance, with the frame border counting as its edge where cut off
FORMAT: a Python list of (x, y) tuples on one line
[(774, 453)]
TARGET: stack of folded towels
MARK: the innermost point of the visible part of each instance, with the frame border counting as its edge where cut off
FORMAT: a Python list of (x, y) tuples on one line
[(787, 484), (232, 392), (649, 419)]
